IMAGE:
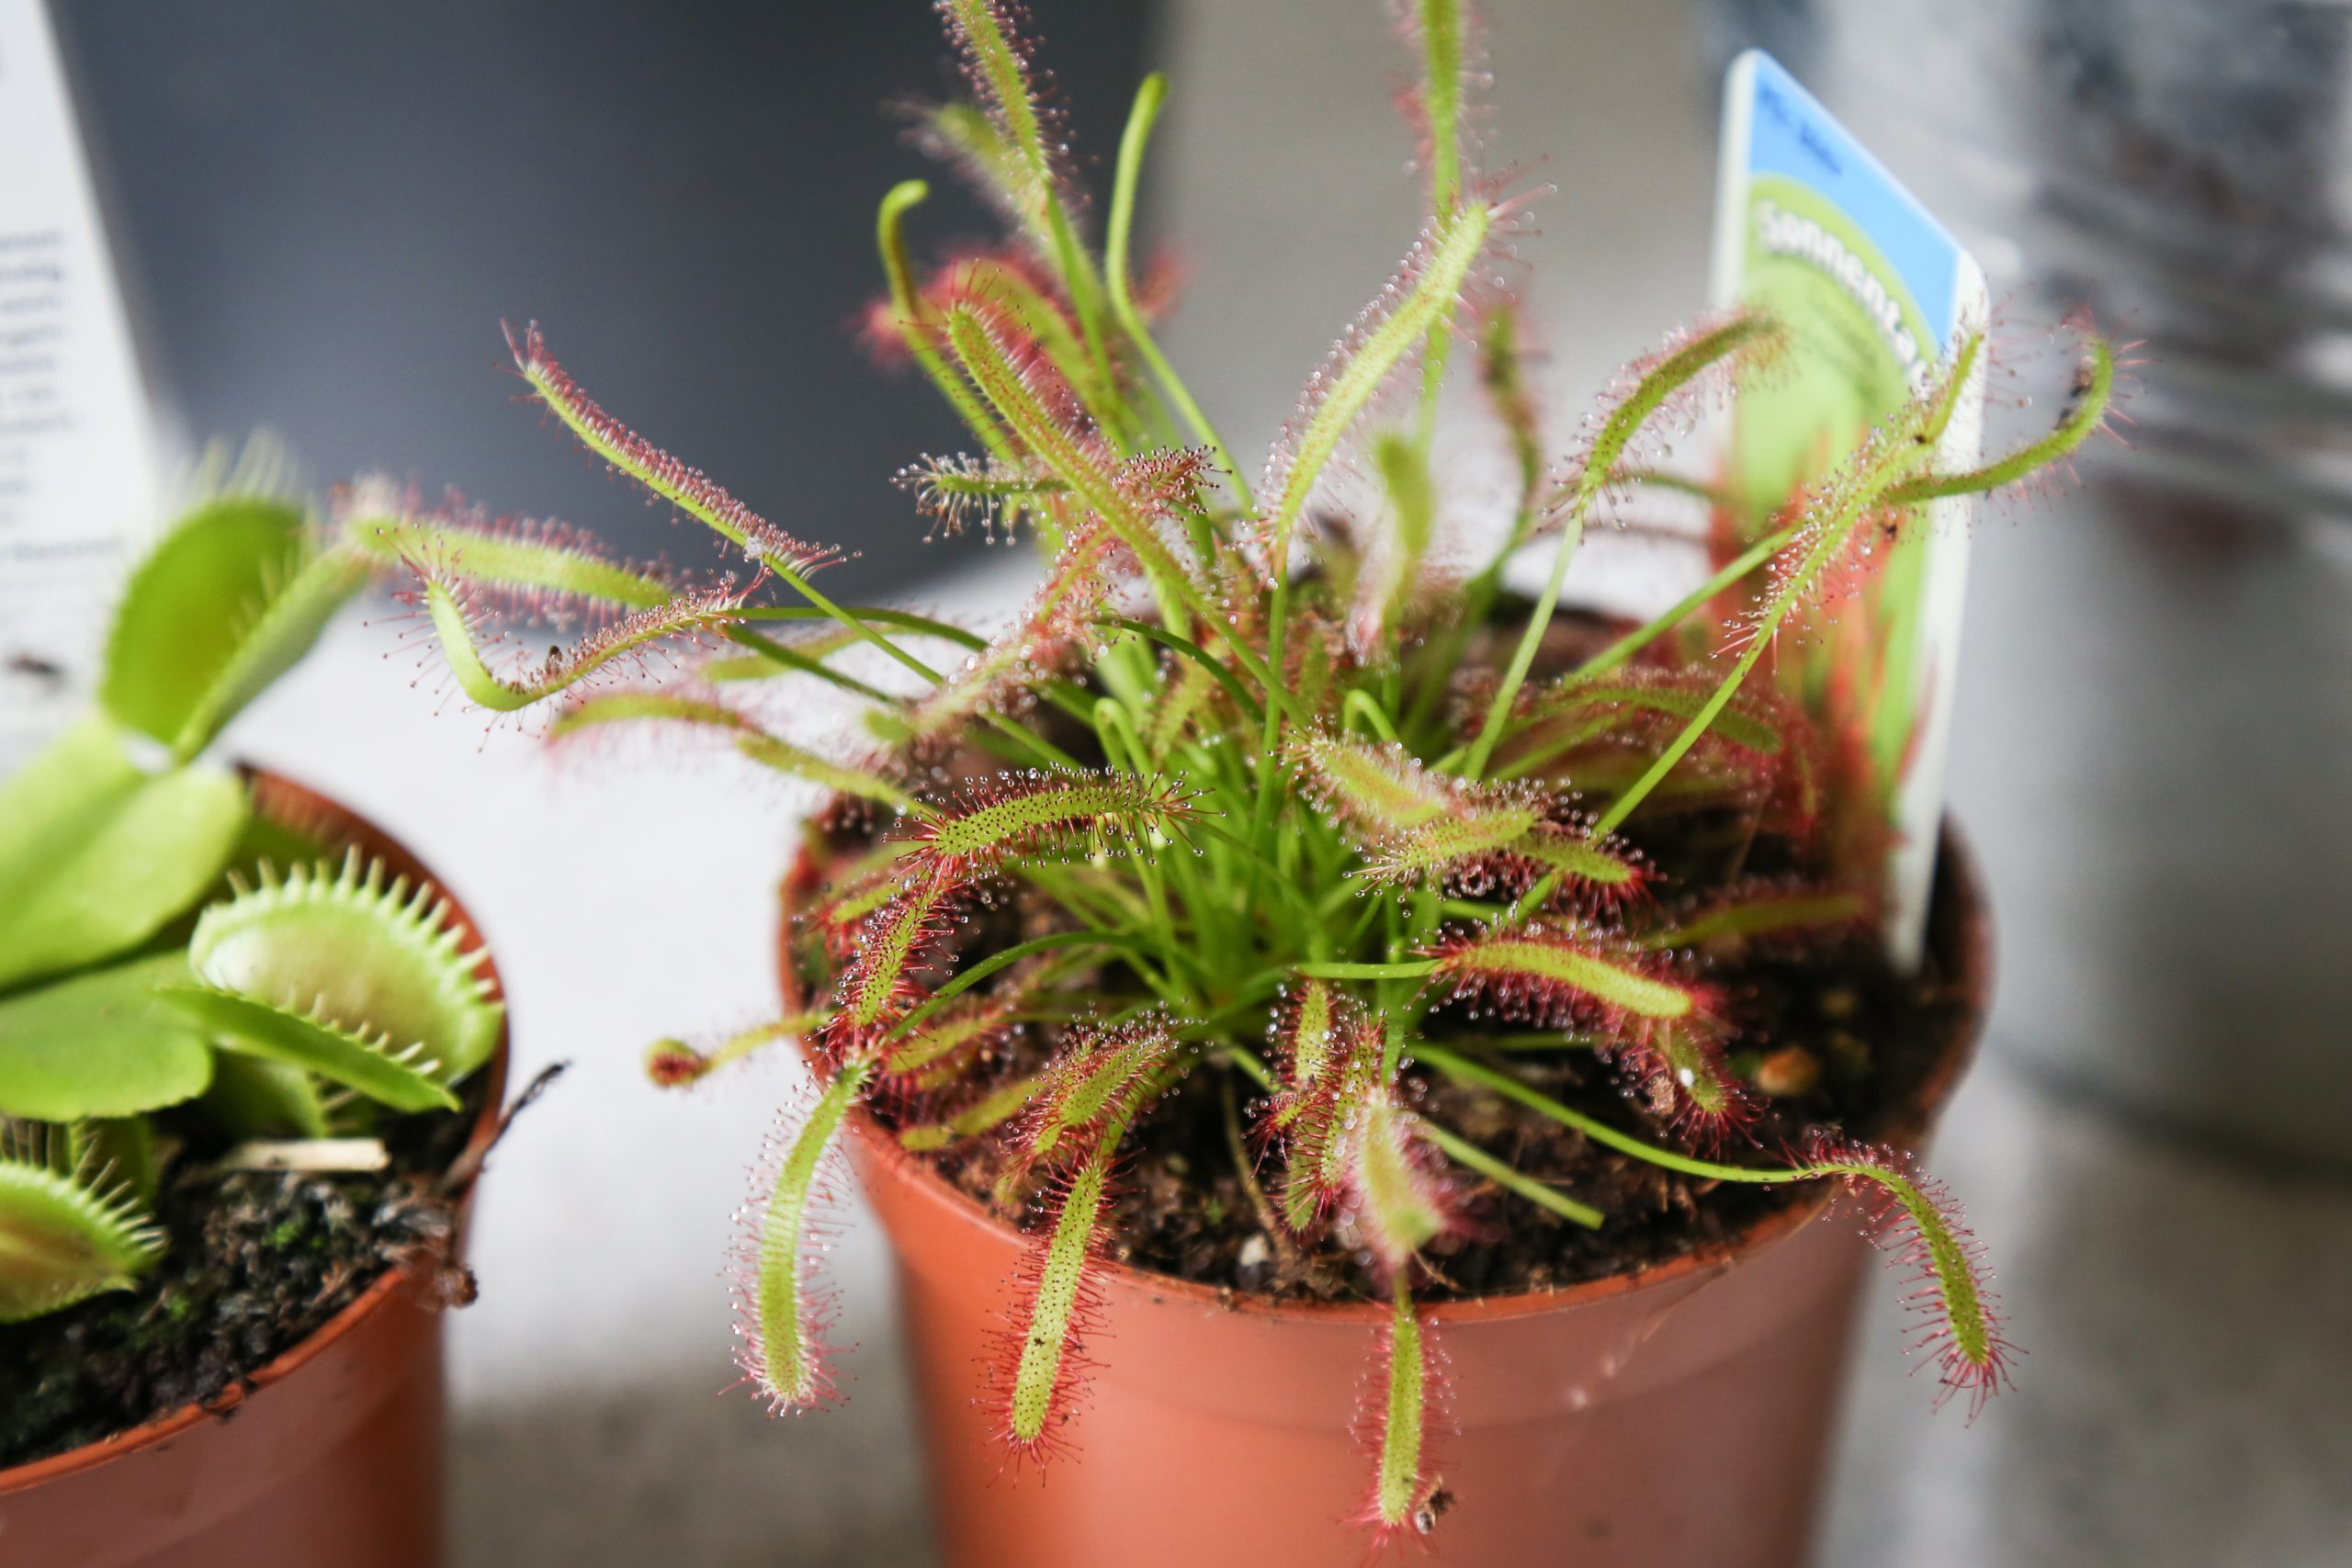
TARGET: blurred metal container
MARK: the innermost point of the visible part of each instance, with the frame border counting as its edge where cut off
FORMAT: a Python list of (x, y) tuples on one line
[(2153, 746)]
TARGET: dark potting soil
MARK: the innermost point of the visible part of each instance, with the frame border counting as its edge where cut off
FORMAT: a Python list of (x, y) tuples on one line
[(255, 1263), (1848, 1043), (1840, 1040)]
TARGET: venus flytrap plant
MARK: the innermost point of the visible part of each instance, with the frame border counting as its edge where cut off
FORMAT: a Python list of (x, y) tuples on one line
[(1316, 828), (180, 970)]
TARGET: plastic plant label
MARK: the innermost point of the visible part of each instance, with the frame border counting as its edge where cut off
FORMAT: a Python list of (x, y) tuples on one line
[(1873, 291), (78, 458)]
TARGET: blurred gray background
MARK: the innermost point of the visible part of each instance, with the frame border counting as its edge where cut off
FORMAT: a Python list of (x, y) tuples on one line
[(326, 209)]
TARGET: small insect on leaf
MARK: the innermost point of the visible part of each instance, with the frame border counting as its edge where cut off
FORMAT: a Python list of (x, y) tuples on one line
[(1396, 1421)]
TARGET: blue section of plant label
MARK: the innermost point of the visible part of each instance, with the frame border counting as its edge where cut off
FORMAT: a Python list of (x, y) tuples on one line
[(1791, 134)]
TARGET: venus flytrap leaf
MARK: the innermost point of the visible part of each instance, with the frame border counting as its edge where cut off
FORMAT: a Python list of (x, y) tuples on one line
[(66, 1236), (96, 854), (98, 1044), (398, 1076), (360, 951), (225, 603)]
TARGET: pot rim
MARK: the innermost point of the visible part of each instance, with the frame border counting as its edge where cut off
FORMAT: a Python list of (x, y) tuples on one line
[(1971, 964), (274, 793)]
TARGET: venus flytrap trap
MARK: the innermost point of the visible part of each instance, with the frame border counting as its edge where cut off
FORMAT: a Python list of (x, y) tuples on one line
[(1258, 812)]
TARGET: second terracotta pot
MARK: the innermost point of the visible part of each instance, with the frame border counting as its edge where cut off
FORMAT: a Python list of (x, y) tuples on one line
[(1675, 1418)]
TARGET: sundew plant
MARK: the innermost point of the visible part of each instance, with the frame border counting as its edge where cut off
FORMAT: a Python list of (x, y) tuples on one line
[(1272, 787)]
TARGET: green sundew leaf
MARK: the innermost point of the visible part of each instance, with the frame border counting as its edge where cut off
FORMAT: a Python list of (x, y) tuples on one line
[(1536, 970), (1042, 1383), (1019, 812), (670, 707), (189, 605), (96, 856), (1571, 854), (368, 957), (1428, 849), (685, 617), (993, 1110), (1083, 470), (1400, 1494), (962, 134), (498, 561), (62, 1241), (785, 758), (253, 1096), (780, 1351), (100, 1045), (1575, 697), (1383, 789), (401, 1080), (1431, 282), (1400, 1208), (1769, 914)]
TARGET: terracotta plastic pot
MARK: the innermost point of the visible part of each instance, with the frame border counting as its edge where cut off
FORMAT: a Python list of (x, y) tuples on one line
[(332, 1455), (1678, 1415)]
